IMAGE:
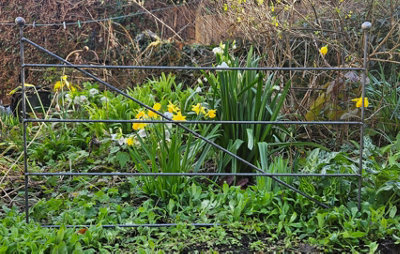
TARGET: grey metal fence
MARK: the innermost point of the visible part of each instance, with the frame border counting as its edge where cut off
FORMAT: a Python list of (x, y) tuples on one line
[(182, 124)]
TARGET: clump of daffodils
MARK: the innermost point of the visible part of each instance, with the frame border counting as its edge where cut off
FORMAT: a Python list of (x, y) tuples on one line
[(199, 109), (359, 103), (173, 112), (63, 83)]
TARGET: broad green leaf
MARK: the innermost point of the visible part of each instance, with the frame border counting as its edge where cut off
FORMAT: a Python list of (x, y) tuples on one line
[(122, 158)]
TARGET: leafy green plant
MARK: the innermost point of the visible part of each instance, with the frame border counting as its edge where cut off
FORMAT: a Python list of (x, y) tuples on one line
[(246, 96), (278, 165), (384, 94), (168, 150)]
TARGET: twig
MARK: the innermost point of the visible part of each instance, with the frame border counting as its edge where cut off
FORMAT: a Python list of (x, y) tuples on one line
[(386, 37), (159, 20)]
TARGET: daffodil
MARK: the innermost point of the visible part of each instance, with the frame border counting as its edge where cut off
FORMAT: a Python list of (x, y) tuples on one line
[(140, 114), (359, 103), (179, 117), (198, 109), (156, 107), (63, 83), (129, 141), (138, 126), (172, 108), (57, 86), (324, 50), (211, 113)]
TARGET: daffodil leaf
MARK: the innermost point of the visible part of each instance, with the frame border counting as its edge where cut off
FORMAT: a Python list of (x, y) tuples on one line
[(263, 150), (18, 88)]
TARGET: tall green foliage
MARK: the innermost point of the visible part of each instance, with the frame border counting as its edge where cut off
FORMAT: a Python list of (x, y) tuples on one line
[(384, 95), (246, 96)]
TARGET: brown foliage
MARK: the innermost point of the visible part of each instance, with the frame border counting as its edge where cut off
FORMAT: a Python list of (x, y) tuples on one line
[(109, 42)]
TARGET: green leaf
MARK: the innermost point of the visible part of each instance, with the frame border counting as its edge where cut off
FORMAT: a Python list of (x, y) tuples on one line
[(122, 158), (60, 234), (373, 247), (263, 150), (171, 206), (356, 234), (392, 211)]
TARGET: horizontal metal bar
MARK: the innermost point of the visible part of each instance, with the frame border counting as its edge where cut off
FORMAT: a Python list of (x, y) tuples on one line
[(186, 122), (192, 68), (185, 174), (136, 225)]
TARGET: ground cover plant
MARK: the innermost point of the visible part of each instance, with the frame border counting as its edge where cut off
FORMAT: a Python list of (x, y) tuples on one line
[(261, 216)]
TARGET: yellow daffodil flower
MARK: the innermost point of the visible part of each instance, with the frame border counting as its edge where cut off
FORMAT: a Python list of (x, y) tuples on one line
[(156, 107), (211, 113), (63, 83), (198, 109), (324, 50), (138, 126), (172, 108), (57, 86), (141, 114), (129, 141), (359, 102), (179, 117)]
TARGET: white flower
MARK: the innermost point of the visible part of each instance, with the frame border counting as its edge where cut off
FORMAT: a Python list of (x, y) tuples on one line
[(114, 137), (77, 100), (142, 133), (218, 50), (167, 135), (80, 99), (198, 90), (205, 79), (121, 141), (277, 88), (168, 115), (68, 98), (83, 99), (93, 91), (223, 65), (104, 99)]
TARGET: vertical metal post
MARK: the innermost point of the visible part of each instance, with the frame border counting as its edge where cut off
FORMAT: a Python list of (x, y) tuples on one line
[(21, 23), (365, 27)]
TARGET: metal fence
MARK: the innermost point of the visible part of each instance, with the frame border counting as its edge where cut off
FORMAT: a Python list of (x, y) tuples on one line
[(182, 124)]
